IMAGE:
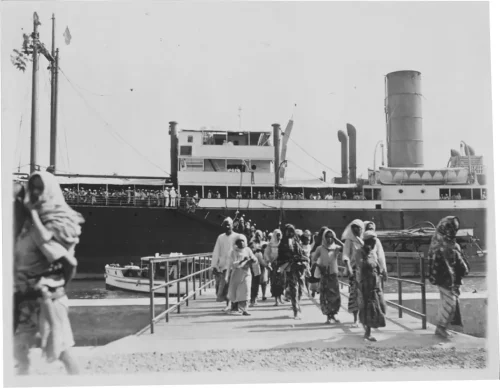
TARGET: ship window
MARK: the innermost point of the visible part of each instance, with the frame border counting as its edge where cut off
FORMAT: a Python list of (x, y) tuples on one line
[(459, 194), (190, 139), (444, 193), (237, 165), (260, 165), (476, 193), (188, 164), (238, 138), (215, 165), (368, 193), (186, 150), (214, 138), (377, 195)]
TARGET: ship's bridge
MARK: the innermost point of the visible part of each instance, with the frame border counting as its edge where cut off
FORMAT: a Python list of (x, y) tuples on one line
[(227, 158)]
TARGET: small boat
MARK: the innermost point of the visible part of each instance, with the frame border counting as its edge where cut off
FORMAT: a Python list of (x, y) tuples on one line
[(135, 278)]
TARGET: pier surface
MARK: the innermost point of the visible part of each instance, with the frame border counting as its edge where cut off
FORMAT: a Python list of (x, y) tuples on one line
[(204, 339)]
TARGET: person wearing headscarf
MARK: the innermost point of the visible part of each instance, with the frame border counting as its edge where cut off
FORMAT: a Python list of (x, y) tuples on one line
[(220, 260), (292, 262), (327, 271), (256, 247), (379, 249), (44, 264), (313, 280), (241, 261), (271, 257), (305, 243), (447, 268), (371, 302), (352, 242)]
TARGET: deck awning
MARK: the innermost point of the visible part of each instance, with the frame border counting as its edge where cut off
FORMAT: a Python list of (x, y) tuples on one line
[(316, 183), (64, 180)]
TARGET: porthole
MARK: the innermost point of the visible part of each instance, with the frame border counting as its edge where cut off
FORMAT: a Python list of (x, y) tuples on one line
[(400, 191)]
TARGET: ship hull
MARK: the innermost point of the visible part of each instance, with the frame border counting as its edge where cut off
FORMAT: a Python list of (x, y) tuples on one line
[(122, 235)]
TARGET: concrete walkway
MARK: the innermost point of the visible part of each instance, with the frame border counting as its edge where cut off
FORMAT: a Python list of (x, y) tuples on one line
[(203, 326)]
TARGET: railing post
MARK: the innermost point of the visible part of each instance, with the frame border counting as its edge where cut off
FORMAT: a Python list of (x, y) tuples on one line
[(199, 269), (424, 302), (187, 281), (193, 278), (178, 287), (151, 295), (167, 279), (400, 286)]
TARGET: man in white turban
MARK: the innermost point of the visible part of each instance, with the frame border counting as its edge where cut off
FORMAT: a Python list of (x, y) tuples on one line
[(220, 263)]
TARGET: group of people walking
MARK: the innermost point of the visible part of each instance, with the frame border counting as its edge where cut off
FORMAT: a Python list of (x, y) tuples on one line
[(296, 262)]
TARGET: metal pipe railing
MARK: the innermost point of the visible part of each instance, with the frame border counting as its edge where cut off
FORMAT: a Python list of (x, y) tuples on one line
[(401, 280), (204, 260)]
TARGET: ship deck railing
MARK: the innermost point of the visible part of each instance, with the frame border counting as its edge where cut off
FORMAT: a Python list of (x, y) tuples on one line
[(198, 268), (400, 280)]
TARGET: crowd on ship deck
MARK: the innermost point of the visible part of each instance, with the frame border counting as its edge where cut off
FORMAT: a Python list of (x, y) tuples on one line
[(291, 263), (169, 197), (99, 196)]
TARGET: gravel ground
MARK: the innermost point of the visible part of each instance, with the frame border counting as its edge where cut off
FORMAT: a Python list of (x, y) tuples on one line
[(281, 360)]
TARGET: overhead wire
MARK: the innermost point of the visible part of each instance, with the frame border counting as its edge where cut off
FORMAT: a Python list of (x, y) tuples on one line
[(108, 126), (307, 153)]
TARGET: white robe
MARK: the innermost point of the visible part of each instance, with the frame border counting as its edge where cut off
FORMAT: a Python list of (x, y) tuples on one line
[(222, 249)]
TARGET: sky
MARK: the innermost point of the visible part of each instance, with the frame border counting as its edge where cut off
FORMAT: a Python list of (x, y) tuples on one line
[(133, 67)]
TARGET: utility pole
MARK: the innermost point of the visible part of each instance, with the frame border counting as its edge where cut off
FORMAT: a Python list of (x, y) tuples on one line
[(53, 69), (53, 154), (34, 95)]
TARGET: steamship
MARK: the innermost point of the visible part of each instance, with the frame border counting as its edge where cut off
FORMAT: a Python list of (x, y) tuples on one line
[(243, 171)]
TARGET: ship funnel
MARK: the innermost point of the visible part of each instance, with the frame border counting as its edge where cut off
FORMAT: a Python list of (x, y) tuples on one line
[(351, 132), (403, 109), (343, 141), (277, 161), (174, 152)]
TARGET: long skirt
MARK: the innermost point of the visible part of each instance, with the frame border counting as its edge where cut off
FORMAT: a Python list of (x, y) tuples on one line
[(222, 287), (295, 283), (449, 308), (329, 295), (371, 301), (277, 282), (239, 285), (353, 305)]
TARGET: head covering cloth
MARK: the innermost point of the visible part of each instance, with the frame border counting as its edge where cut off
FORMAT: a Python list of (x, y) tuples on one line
[(54, 212), (349, 234), (325, 244), (445, 236)]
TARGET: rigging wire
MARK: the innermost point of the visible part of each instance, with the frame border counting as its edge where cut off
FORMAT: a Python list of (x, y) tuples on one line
[(324, 165), (108, 126), (307, 172)]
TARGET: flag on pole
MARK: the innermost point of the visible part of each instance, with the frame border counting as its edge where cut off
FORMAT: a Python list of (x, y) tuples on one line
[(67, 36)]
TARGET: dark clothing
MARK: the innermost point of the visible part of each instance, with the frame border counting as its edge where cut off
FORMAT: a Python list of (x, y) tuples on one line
[(372, 305), (329, 294)]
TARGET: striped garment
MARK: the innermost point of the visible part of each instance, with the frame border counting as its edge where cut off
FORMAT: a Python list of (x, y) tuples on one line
[(353, 305), (449, 309)]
